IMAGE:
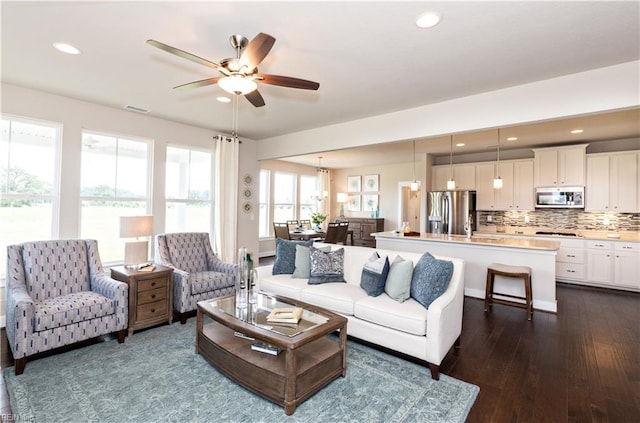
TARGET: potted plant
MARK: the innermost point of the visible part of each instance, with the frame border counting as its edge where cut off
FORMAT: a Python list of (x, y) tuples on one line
[(317, 219)]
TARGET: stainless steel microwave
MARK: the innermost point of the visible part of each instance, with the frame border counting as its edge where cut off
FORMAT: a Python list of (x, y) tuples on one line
[(560, 197)]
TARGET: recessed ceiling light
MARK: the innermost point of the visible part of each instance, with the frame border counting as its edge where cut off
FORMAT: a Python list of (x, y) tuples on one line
[(428, 20), (460, 144), (577, 131), (223, 99), (66, 48), (512, 139)]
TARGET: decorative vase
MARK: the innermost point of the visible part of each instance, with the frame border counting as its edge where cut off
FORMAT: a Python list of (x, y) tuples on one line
[(243, 279)]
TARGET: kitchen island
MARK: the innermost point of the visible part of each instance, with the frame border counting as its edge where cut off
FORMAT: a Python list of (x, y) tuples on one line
[(479, 252)]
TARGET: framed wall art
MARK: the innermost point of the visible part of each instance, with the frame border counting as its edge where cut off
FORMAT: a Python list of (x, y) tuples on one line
[(354, 184), (354, 203), (369, 202), (371, 183)]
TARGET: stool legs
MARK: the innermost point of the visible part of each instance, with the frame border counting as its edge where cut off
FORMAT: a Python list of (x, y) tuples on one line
[(489, 299)]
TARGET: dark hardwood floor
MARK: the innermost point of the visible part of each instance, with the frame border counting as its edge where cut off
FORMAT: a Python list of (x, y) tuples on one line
[(581, 365)]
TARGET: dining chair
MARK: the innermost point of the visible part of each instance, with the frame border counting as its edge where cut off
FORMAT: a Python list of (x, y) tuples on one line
[(332, 235), (292, 224), (305, 223), (281, 230)]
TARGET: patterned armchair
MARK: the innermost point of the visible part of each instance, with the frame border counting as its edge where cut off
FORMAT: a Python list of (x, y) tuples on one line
[(58, 294), (198, 274)]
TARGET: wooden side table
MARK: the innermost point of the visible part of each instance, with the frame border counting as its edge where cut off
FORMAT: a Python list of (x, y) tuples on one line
[(150, 295)]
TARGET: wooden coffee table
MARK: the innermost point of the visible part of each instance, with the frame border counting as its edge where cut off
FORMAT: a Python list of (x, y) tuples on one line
[(310, 359)]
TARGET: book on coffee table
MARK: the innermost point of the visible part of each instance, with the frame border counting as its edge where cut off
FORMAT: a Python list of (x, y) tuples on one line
[(266, 348), (285, 315)]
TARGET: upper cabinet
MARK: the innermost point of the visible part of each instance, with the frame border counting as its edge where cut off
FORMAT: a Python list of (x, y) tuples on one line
[(560, 166), (463, 174), (517, 185), (612, 182)]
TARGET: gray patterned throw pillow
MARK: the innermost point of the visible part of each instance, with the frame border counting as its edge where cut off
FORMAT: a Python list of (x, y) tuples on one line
[(430, 279), (326, 267)]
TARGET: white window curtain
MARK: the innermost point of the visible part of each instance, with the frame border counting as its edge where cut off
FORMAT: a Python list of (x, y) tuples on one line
[(225, 222)]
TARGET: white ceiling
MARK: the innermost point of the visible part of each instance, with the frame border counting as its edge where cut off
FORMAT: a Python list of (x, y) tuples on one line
[(369, 57)]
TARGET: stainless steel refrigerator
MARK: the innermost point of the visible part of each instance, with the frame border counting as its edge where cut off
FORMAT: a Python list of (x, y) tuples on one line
[(451, 212)]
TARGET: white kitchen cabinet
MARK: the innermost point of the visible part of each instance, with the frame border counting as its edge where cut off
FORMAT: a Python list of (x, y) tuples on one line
[(560, 166), (463, 174), (627, 264), (570, 261), (517, 186), (612, 182), (485, 197)]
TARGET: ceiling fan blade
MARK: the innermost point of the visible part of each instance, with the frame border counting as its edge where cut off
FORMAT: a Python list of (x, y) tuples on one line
[(287, 81), (183, 54), (201, 83), (256, 50), (255, 98)]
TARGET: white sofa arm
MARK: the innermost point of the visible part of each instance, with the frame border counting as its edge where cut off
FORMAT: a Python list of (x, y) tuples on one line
[(262, 271), (444, 316)]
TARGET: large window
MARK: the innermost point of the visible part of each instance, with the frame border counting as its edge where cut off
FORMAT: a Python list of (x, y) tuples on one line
[(115, 181), (284, 197), (308, 189), (265, 190), (188, 190), (29, 174)]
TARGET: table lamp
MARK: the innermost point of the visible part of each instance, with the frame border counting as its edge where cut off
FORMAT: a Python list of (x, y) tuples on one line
[(342, 198), (136, 252)]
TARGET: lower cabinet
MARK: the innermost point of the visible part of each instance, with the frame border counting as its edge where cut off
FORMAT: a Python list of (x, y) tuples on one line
[(363, 228), (614, 263)]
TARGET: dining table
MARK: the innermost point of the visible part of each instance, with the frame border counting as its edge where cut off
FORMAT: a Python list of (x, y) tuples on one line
[(305, 234)]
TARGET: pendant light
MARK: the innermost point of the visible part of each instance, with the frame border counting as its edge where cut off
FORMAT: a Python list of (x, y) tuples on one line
[(497, 181), (414, 184), (451, 184)]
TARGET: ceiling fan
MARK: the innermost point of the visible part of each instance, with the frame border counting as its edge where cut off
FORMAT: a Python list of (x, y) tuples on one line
[(240, 74)]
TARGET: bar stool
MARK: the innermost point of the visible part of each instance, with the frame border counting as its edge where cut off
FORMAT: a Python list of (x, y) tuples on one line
[(505, 270)]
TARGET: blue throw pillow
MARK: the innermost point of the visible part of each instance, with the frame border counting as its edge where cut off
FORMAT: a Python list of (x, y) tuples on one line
[(430, 279), (326, 267), (285, 262), (374, 275)]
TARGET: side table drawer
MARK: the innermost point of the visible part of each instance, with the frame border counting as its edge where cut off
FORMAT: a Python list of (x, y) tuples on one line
[(152, 295), (151, 310), (146, 284)]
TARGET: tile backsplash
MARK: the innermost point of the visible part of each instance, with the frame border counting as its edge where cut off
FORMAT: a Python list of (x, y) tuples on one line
[(562, 219)]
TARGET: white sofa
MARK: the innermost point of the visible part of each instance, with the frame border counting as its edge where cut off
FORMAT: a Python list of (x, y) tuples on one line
[(407, 327)]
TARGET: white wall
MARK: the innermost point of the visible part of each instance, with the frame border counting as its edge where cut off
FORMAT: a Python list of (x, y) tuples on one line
[(76, 115), (609, 88)]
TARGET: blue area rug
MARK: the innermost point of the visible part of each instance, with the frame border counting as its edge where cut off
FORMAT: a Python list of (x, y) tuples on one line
[(155, 376)]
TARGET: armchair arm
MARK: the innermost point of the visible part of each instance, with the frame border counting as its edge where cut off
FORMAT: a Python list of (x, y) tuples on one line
[(20, 315), (227, 268), (111, 288)]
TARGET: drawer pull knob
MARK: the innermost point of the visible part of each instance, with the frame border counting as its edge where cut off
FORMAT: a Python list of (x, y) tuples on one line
[(153, 284), (153, 296), (153, 310)]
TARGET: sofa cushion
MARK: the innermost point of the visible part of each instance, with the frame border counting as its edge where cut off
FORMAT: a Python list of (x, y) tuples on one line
[(409, 316), (337, 297), (68, 309), (283, 285), (303, 261), (398, 284), (430, 279), (209, 281), (326, 266), (285, 262), (374, 274)]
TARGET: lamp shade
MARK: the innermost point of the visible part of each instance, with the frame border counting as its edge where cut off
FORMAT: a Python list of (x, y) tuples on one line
[(136, 226), (237, 84), (342, 197)]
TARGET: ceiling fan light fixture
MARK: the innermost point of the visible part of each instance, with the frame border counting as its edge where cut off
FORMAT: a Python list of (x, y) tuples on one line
[(237, 84)]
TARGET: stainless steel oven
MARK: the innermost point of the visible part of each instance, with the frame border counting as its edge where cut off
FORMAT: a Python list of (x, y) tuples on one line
[(560, 197)]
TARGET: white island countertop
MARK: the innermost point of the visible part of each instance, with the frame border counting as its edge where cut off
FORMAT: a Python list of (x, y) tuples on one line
[(484, 240), (480, 251)]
